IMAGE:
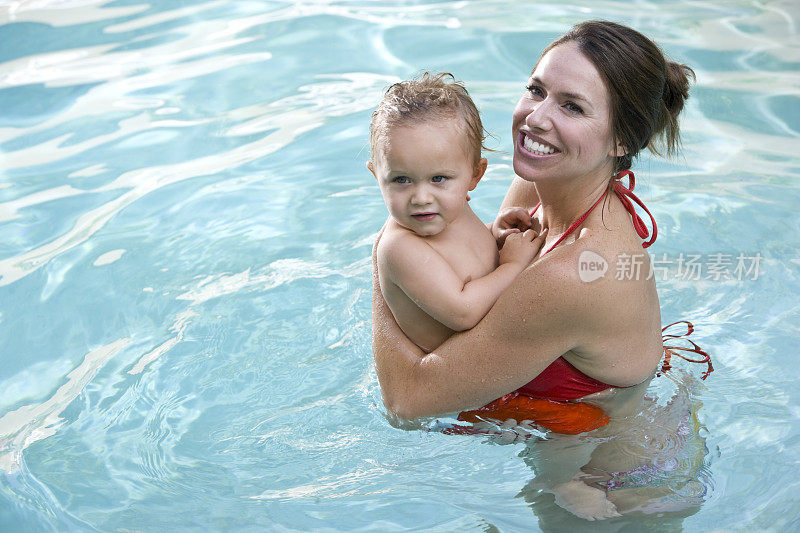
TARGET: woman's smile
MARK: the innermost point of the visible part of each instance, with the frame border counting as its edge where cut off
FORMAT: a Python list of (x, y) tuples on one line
[(536, 146)]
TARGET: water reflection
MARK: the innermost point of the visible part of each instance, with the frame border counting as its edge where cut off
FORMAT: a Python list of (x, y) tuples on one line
[(650, 462)]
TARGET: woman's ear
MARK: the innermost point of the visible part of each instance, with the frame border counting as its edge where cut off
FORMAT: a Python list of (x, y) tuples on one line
[(619, 150), (480, 169)]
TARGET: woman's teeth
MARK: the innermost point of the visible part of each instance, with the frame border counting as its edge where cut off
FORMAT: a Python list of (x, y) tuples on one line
[(536, 148)]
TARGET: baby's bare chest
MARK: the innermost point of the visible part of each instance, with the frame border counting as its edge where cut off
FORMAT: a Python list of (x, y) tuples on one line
[(471, 254)]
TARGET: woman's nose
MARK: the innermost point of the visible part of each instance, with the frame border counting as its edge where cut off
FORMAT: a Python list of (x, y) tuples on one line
[(539, 116)]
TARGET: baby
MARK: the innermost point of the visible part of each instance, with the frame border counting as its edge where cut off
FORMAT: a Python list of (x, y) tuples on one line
[(438, 264)]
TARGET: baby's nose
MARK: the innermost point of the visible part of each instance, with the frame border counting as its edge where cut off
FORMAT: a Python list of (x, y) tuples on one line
[(421, 196)]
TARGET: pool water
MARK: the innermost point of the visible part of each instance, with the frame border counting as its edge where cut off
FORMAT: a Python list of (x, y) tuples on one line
[(186, 226)]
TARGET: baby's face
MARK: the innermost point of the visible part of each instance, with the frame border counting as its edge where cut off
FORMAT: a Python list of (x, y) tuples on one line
[(424, 172)]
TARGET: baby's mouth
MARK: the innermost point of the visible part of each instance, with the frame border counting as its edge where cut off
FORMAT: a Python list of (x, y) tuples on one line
[(424, 217)]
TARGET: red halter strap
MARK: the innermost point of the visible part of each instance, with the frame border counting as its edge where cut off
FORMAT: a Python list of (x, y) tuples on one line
[(670, 350), (625, 195), (573, 225)]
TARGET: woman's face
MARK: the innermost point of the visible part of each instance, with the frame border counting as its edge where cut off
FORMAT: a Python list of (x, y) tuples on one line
[(562, 123)]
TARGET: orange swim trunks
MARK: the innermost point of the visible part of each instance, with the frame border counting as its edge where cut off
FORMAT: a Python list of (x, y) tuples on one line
[(569, 418)]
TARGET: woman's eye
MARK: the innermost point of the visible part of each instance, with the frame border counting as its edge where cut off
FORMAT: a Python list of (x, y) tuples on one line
[(573, 108), (535, 90), (438, 179)]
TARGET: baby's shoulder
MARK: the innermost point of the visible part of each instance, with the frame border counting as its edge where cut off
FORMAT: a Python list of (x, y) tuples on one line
[(398, 242)]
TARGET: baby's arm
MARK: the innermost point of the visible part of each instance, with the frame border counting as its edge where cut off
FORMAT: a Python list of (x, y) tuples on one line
[(432, 284)]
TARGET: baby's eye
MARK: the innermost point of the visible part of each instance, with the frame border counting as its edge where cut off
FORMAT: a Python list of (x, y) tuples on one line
[(401, 179), (438, 179), (573, 108)]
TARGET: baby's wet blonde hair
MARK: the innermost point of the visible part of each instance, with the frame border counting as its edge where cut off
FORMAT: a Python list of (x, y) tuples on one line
[(428, 96)]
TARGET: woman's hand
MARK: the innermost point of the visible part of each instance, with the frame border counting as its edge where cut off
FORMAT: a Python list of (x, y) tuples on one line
[(508, 221)]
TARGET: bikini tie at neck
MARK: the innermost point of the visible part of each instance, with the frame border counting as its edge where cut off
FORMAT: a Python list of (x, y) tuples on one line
[(625, 195)]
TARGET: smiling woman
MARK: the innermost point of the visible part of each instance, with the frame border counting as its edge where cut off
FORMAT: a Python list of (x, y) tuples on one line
[(551, 336)]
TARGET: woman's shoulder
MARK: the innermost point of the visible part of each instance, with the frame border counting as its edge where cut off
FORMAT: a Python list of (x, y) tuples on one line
[(603, 269), (620, 312), (583, 263), (566, 283), (601, 281)]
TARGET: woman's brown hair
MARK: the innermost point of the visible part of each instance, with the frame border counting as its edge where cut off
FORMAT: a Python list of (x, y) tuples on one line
[(646, 91)]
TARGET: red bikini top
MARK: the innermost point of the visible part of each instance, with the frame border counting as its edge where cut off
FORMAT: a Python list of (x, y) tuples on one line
[(561, 381)]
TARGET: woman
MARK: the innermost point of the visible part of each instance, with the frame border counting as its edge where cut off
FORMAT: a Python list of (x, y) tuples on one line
[(597, 96)]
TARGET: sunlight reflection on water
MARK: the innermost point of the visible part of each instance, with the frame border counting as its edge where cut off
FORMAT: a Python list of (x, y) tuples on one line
[(184, 269)]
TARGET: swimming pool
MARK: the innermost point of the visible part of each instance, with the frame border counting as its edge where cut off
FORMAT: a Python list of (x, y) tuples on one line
[(186, 225)]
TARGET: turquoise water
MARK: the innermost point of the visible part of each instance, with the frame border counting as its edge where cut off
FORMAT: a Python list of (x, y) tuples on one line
[(186, 225)]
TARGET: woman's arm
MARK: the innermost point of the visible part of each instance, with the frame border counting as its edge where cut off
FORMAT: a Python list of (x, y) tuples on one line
[(532, 324)]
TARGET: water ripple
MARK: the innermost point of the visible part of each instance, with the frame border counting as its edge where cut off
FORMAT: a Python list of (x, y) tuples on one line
[(23, 426), (183, 185)]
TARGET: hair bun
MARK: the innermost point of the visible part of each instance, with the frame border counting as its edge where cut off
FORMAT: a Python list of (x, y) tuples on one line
[(676, 86)]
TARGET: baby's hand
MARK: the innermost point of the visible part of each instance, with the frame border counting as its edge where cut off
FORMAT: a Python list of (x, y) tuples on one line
[(512, 220), (521, 248)]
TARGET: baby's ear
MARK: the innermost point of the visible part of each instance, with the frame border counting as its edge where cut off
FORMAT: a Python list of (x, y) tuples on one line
[(371, 168), (480, 169)]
